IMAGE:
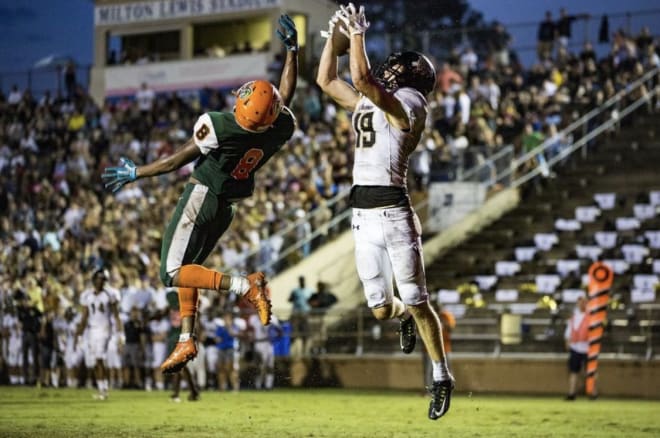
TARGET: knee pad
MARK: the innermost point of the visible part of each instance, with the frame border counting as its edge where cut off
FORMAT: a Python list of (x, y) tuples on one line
[(412, 294)]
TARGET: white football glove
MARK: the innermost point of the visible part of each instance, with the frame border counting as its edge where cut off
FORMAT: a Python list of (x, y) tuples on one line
[(355, 20), (331, 27)]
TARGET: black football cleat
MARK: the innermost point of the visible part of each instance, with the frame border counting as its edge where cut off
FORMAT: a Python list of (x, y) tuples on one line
[(440, 397), (407, 336)]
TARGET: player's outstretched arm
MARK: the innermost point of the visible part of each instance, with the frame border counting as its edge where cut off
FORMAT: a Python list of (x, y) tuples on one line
[(326, 78), (363, 80), (116, 177), (289, 78)]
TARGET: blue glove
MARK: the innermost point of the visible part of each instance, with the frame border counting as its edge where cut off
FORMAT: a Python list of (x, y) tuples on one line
[(290, 36), (115, 177)]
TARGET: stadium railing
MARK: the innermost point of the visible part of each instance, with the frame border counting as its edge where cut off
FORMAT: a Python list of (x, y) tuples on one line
[(587, 127), (341, 330)]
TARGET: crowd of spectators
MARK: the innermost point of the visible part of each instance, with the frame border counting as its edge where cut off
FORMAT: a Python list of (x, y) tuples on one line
[(58, 224)]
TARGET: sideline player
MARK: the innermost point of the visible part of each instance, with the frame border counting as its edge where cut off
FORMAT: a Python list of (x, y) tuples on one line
[(99, 307), (229, 148), (12, 342), (389, 112)]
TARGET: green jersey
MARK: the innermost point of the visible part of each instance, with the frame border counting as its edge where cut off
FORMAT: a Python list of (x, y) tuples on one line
[(231, 155)]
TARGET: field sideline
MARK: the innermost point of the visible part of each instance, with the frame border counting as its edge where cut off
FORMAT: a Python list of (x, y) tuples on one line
[(30, 412)]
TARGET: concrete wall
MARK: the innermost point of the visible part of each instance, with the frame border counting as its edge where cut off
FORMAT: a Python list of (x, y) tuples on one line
[(540, 376)]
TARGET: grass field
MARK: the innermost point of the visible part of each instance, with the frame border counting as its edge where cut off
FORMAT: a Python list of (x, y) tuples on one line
[(28, 412)]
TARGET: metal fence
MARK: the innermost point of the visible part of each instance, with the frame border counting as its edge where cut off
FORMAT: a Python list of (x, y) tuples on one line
[(355, 331), (597, 121), (40, 80)]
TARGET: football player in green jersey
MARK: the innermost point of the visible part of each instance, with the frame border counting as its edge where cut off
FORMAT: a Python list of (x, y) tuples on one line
[(229, 148)]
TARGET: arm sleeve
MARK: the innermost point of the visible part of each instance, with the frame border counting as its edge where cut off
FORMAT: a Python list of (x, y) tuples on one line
[(204, 134)]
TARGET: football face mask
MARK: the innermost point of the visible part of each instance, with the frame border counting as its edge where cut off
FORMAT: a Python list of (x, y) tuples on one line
[(407, 69)]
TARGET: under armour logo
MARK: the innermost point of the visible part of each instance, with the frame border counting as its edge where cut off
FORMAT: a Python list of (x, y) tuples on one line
[(356, 227)]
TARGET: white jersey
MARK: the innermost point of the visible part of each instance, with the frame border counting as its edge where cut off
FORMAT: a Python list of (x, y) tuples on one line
[(11, 347), (382, 150), (12, 325), (98, 306)]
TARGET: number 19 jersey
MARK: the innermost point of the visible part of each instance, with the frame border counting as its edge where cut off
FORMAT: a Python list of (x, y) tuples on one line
[(231, 155), (382, 150)]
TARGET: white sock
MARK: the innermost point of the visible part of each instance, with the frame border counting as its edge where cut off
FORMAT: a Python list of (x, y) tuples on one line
[(239, 285), (440, 371), (183, 337), (269, 381)]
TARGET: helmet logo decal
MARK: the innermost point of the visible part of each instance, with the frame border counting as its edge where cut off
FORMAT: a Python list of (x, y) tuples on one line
[(245, 91)]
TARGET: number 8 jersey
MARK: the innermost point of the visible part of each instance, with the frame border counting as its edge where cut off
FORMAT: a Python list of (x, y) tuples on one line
[(382, 150), (231, 155)]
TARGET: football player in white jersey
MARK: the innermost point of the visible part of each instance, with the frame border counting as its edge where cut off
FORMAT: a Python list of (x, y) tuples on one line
[(263, 347), (99, 307), (73, 353), (389, 112), (12, 345)]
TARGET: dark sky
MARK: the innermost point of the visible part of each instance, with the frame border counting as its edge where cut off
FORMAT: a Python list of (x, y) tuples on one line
[(37, 28)]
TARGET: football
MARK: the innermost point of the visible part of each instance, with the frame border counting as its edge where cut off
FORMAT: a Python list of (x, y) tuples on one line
[(340, 42)]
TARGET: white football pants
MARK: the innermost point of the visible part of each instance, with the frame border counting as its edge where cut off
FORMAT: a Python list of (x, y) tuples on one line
[(388, 244)]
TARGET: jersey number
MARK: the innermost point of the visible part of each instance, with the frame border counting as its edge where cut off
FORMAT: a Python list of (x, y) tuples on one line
[(202, 132), (249, 161), (101, 308), (364, 126)]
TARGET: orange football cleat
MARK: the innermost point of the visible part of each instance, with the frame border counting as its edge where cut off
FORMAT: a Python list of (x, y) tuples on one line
[(258, 296), (183, 353)]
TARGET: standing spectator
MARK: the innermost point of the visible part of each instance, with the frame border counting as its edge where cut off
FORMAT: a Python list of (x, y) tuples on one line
[(546, 37), (531, 140), (15, 96), (564, 26), (469, 61), (135, 332), (319, 302), (159, 326), (322, 299), (463, 106), (30, 319), (300, 308), (145, 100), (500, 45), (604, 30), (644, 39), (448, 78), (577, 344), (70, 82), (47, 347), (231, 328)]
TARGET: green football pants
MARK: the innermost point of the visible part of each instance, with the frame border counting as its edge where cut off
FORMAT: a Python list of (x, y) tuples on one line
[(199, 220)]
